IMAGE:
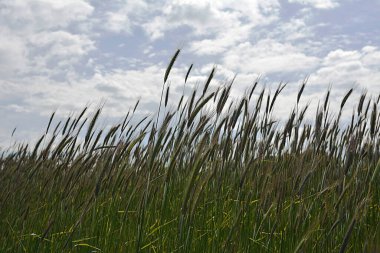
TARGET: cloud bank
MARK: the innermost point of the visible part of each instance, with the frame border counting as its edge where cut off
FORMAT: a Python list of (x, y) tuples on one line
[(65, 54)]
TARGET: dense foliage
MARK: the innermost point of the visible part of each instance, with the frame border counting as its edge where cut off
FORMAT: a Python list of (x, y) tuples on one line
[(209, 175)]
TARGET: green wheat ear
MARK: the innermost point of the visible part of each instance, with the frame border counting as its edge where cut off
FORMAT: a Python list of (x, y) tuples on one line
[(171, 63), (218, 174)]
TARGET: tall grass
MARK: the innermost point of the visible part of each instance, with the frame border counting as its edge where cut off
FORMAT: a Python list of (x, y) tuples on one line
[(210, 175)]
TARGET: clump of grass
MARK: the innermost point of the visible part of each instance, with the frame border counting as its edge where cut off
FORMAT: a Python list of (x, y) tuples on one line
[(228, 179)]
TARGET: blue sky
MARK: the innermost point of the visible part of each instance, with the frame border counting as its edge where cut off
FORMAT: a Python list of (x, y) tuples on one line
[(61, 55)]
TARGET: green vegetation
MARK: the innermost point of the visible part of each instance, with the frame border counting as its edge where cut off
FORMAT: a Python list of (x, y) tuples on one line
[(210, 175)]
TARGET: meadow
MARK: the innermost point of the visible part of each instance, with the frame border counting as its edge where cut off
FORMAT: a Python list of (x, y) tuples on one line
[(210, 174)]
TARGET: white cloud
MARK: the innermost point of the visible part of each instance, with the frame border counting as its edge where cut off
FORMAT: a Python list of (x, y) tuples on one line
[(36, 37), (371, 57), (294, 29), (319, 4), (221, 42), (268, 56), (119, 88), (12, 53), (351, 68), (214, 25), (125, 16), (201, 16), (61, 47), (43, 14)]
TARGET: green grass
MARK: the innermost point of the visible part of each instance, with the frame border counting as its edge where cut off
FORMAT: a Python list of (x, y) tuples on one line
[(227, 179)]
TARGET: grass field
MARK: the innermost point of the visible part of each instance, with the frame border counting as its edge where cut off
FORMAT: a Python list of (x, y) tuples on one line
[(223, 179)]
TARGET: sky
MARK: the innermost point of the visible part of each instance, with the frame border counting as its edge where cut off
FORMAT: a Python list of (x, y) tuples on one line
[(62, 55)]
